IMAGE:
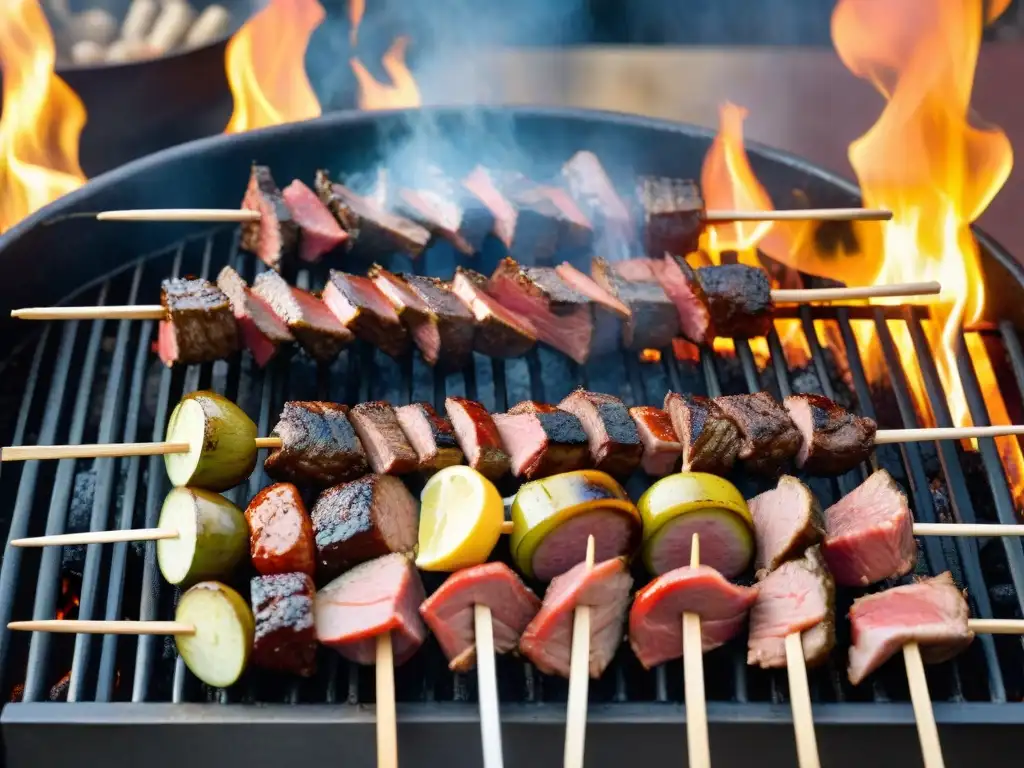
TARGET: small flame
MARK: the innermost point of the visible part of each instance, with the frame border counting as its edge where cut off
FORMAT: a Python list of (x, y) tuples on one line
[(356, 10), (265, 62), (650, 356), (402, 92), (42, 117)]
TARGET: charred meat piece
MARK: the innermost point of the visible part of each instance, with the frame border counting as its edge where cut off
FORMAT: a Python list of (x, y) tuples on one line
[(542, 440), (372, 599), (200, 326), (321, 232), (308, 318), (280, 532), (336, 204), (445, 333), (409, 307), (710, 439), (274, 237), (500, 332), (681, 285), (834, 440), (610, 314), (361, 307), (430, 435), (932, 613), (653, 318), (261, 330), (560, 315), (449, 611), (787, 520), (655, 620), (595, 194), (615, 445), (672, 214), (662, 449), (770, 438), (547, 641), (382, 437), (477, 436), (363, 519), (481, 183), (798, 596), (285, 638), (547, 219), (869, 533), (739, 299), (318, 445), (447, 209)]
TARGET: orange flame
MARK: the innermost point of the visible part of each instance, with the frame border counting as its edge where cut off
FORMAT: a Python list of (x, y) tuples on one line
[(42, 117), (266, 70), (402, 92)]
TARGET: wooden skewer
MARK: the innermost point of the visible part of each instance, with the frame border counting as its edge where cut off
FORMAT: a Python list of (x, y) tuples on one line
[(181, 214), (387, 727), (129, 312), (487, 682), (800, 703), (884, 436), (800, 214), (693, 669), (927, 732), (579, 680)]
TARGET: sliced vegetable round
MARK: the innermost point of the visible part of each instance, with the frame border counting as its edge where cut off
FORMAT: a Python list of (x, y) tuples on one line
[(212, 536), (222, 440), (218, 651), (461, 513)]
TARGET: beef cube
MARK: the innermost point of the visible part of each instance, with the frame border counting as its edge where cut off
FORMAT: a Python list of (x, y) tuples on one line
[(261, 330), (361, 307), (336, 204), (547, 219), (500, 332), (478, 437), (662, 449), (596, 196), (481, 184), (430, 435), (615, 445), (280, 532), (383, 440), (285, 638), (710, 439), (653, 318), (672, 214), (683, 287), (610, 314), (274, 237), (770, 438), (834, 440), (739, 299), (321, 232), (447, 209), (309, 320), (318, 445), (787, 520), (200, 326), (542, 440), (445, 334)]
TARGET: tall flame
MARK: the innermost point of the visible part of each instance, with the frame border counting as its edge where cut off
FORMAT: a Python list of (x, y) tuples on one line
[(265, 63), (42, 117), (373, 94)]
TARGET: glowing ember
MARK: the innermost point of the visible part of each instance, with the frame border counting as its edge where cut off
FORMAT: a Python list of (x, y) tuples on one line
[(402, 92), (266, 70), (650, 355), (42, 117)]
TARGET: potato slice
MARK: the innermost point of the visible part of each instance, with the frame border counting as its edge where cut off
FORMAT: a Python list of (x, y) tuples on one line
[(221, 438), (213, 536), (217, 652)]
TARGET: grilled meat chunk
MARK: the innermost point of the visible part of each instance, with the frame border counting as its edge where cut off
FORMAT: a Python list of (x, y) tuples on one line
[(481, 183), (596, 196), (655, 620), (285, 638), (261, 330), (932, 613), (274, 237), (200, 326), (547, 641), (869, 533), (542, 440), (363, 519), (681, 285), (361, 307), (430, 435), (653, 318), (560, 315), (445, 333), (321, 232), (673, 215), (447, 209), (382, 437), (739, 298), (318, 445), (770, 438), (309, 320), (280, 532), (477, 436), (834, 440), (377, 597), (610, 314), (615, 445), (662, 449), (787, 520), (799, 596), (449, 612), (500, 332), (709, 438)]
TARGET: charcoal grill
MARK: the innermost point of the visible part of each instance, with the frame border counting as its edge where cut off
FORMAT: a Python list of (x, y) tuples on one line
[(109, 698)]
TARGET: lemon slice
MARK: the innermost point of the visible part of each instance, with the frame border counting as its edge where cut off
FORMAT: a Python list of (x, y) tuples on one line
[(461, 513)]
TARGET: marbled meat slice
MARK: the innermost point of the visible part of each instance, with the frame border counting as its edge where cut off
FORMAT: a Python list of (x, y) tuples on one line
[(739, 298), (672, 212), (597, 197), (361, 307), (321, 232), (261, 330), (542, 440), (653, 318), (547, 641), (447, 209), (363, 519), (409, 307), (481, 183), (449, 612), (382, 437), (798, 596), (869, 533), (834, 440), (274, 237), (318, 445), (709, 439), (478, 437), (547, 220), (377, 597), (312, 324), (445, 334), (430, 435), (787, 520), (610, 314), (770, 438), (200, 326), (932, 613), (655, 620), (615, 445), (662, 449), (285, 638), (500, 332), (560, 315), (280, 531), (681, 285)]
